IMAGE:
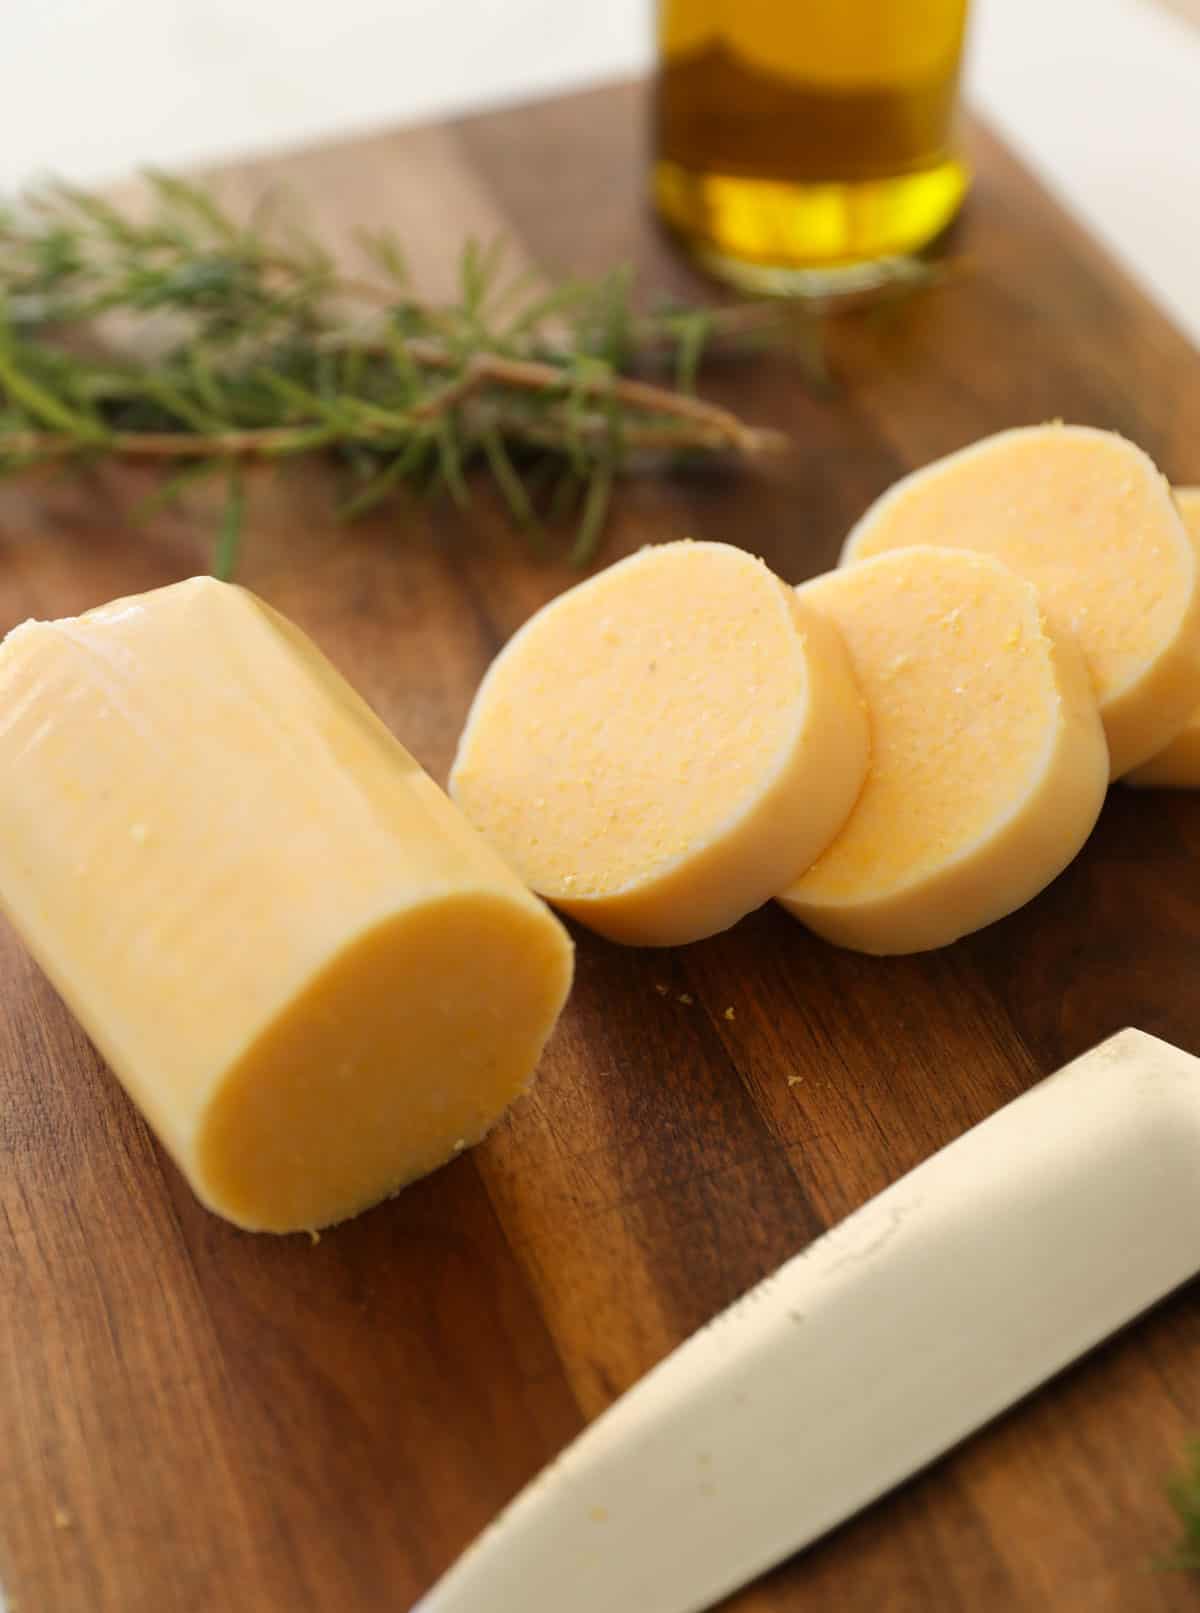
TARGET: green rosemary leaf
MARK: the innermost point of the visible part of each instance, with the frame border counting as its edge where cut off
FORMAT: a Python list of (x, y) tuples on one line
[(478, 270), (325, 377), (562, 300), (192, 199), (208, 388), (172, 489), (449, 460), (109, 220), (373, 492), (302, 403), (1184, 1491), (605, 329), (42, 406), (162, 389), (353, 362), (299, 401), (595, 514), (693, 333), (56, 258), (397, 349), (587, 374), (301, 441), (373, 419), (378, 487), (511, 296), (382, 249), (564, 495), (229, 540), (512, 489), (810, 347)]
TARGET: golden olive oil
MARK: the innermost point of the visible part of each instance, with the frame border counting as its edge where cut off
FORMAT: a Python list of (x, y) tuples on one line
[(808, 145)]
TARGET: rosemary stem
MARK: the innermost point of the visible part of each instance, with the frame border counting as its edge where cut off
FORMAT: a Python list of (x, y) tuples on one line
[(535, 376)]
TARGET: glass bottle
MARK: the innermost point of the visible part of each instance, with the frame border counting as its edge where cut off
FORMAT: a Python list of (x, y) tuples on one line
[(808, 146)]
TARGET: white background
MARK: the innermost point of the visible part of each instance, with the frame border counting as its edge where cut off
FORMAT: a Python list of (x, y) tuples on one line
[(1103, 95)]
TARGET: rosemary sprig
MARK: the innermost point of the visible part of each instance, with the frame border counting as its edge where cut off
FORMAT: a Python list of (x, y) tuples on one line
[(1184, 1491), (240, 342)]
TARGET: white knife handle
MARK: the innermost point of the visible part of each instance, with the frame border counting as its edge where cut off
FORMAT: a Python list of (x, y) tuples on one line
[(950, 1296)]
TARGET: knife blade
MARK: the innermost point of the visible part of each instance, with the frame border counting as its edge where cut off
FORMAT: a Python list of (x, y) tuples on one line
[(935, 1307)]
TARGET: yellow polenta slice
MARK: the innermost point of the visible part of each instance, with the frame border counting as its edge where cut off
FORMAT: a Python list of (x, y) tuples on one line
[(665, 746), (988, 766), (1177, 767), (1087, 517)]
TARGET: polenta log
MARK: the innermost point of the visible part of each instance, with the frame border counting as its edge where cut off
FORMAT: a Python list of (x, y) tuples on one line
[(307, 969)]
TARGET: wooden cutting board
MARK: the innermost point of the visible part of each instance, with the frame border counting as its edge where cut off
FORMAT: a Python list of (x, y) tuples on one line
[(194, 1419)]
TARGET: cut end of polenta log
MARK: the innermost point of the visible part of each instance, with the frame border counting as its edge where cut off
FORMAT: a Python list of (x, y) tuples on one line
[(1087, 517), (989, 765), (662, 748), (306, 968), (1177, 766)]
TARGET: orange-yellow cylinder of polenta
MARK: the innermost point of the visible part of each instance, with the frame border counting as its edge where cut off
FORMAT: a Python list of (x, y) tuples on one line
[(307, 969)]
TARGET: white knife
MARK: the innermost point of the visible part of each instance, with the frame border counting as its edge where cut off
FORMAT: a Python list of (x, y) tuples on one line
[(929, 1311)]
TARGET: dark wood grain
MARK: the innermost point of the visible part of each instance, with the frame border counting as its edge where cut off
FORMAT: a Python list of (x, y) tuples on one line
[(192, 1418)]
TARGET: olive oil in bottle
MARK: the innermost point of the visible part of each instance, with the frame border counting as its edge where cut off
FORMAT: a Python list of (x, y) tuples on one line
[(807, 146)]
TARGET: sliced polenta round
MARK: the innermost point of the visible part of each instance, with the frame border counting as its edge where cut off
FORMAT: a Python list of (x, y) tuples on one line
[(1177, 766), (1087, 517), (662, 748), (988, 760)]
